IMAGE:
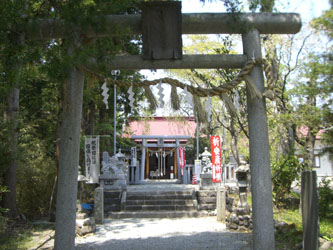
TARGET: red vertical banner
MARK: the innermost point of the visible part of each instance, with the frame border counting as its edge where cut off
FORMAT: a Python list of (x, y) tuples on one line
[(181, 152), (215, 144)]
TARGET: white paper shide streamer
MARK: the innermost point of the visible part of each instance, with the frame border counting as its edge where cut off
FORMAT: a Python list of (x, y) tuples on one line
[(161, 95), (208, 107), (131, 97), (188, 97), (105, 94), (237, 106)]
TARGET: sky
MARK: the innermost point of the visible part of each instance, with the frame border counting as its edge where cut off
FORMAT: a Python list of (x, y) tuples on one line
[(308, 10)]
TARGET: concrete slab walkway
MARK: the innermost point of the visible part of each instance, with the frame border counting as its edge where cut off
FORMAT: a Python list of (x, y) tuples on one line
[(163, 234)]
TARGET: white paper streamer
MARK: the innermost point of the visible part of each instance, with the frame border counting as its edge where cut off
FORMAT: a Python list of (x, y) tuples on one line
[(237, 100), (188, 97), (208, 107), (131, 97), (105, 94), (161, 95)]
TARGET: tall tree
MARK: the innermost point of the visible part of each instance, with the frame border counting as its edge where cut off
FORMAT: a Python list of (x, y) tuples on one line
[(12, 59), (324, 24)]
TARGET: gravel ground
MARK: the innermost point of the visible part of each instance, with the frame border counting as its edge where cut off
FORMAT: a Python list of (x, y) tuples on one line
[(160, 234)]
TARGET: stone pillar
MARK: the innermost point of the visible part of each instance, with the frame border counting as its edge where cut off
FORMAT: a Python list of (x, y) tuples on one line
[(309, 198), (143, 161), (99, 205), (221, 204), (261, 182)]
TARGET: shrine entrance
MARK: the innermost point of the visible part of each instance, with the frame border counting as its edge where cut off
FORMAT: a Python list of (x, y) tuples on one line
[(160, 156), (160, 163), (162, 49)]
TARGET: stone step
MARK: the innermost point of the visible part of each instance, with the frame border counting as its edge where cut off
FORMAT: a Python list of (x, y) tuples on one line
[(206, 193), (155, 214), (111, 207), (112, 194), (160, 202), (134, 196), (112, 201), (207, 206), (159, 207), (207, 200), (151, 193)]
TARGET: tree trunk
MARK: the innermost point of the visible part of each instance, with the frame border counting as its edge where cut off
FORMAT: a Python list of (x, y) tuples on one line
[(311, 140), (69, 161), (234, 141), (9, 198), (91, 117)]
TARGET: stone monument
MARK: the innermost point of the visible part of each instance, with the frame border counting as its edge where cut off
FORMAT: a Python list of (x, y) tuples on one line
[(113, 177)]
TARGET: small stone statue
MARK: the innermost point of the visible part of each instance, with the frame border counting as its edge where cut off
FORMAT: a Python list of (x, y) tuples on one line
[(206, 162)]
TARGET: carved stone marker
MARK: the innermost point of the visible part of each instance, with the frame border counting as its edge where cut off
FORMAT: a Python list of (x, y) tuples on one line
[(99, 205)]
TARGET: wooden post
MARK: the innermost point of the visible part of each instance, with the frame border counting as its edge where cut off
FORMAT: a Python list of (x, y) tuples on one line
[(261, 180), (143, 161), (179, 176), (147, 163), (175, 163)]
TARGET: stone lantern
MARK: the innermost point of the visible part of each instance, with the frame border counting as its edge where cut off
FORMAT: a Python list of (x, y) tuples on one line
[(242, 182), (206, 180), (206, 162), (113, 177)]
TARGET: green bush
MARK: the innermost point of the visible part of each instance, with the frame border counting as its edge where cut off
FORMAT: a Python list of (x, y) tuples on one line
[(3, 219), (325, 198), (284, 172), (35, 176)]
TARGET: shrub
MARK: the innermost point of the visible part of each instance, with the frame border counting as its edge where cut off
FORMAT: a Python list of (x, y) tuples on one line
[(3, 219), (284, 172), (325, 197)]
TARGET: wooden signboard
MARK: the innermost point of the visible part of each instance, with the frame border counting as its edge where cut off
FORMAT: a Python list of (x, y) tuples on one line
[(162, 30)]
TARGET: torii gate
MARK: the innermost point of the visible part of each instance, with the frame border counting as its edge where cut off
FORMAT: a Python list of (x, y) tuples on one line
[(215, 23)]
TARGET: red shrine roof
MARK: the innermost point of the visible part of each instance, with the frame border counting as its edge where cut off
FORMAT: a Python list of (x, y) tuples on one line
[(168, 126), (304, 130)]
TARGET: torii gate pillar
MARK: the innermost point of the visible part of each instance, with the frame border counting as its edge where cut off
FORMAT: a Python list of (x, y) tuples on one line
[(261, 180)]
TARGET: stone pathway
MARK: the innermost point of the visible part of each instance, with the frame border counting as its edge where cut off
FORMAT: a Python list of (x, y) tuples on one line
[(163, 234)]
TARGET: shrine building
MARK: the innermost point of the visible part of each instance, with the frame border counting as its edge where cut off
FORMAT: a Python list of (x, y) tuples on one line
[(158, 139)]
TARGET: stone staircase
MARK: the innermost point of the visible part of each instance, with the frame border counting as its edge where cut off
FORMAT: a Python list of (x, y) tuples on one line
[(157, 204)]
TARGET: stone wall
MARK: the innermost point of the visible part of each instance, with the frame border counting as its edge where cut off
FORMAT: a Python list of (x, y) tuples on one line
[(206, 199), (236, 219)]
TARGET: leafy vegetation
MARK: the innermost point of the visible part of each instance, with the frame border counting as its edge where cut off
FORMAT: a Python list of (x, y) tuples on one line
[(325, 199), (284, 172), (22, 236)]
